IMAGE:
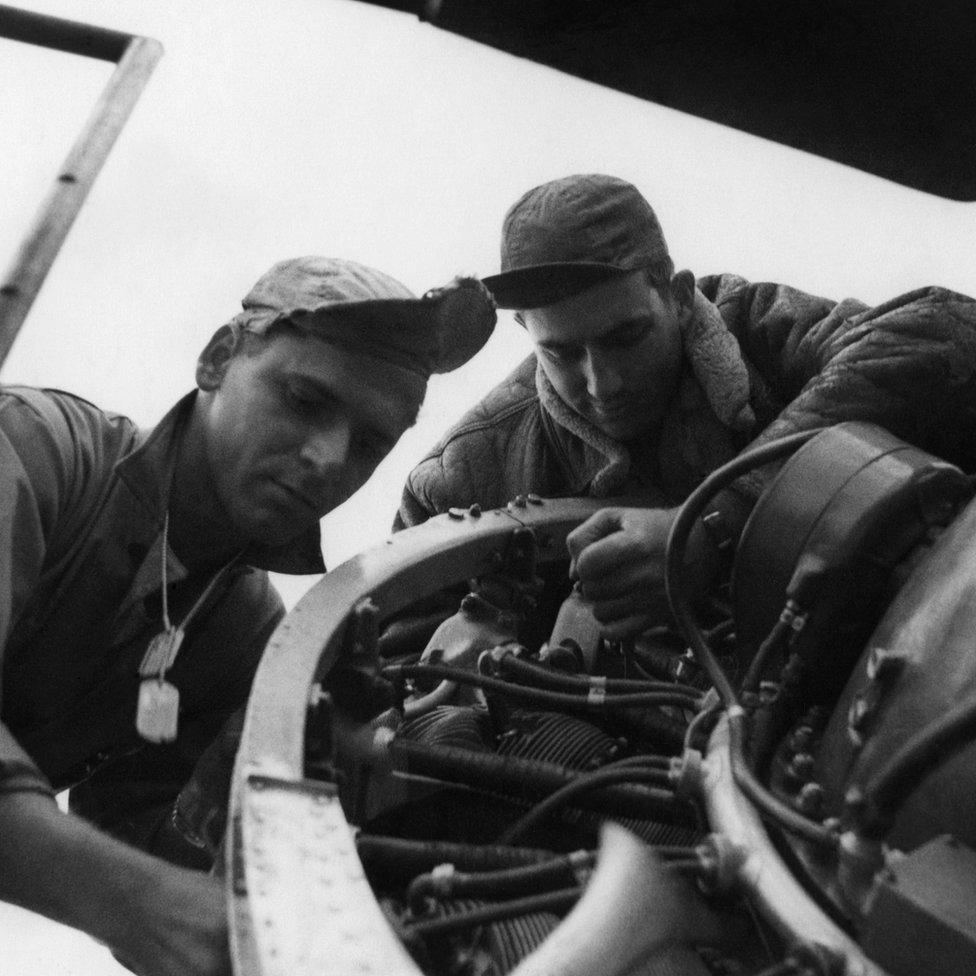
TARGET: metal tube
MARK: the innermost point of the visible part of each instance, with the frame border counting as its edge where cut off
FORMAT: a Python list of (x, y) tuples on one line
[(62, 35), (769, 882), (54, 219)]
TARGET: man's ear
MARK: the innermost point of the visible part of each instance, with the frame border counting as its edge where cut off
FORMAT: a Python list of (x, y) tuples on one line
[(216, 355), (683, 291)]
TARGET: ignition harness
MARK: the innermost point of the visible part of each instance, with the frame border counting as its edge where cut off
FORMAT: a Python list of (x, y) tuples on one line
[(768, 804), (529, 673), (588, 702), (625, 772)]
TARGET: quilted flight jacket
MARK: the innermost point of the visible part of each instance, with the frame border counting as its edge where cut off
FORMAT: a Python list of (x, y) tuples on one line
[(798, 362)]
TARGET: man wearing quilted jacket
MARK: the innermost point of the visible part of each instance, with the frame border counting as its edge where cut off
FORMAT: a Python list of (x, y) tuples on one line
[(644, 380)]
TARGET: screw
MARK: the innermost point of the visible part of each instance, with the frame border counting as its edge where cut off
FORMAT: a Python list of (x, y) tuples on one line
[(810, 799)]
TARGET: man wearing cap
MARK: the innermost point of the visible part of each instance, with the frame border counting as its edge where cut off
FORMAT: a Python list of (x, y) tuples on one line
[(134, 602), (643, 381)]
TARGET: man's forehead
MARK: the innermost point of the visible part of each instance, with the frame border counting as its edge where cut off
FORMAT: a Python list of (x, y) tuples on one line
[(595, 312), (381, 390)]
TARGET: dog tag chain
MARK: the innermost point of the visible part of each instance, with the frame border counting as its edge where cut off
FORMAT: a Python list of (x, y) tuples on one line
[(158, 706)]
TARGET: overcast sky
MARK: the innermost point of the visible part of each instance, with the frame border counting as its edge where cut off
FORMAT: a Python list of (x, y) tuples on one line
[(330, 127)]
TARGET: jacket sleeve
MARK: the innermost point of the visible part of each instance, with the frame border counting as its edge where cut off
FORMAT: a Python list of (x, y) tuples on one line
[(908, 365), (413, 508), (32, 479), (496, 450), (443, 479)]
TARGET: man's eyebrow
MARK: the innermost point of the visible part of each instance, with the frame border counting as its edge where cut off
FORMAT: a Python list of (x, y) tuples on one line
[(326, 381), (312, 384), (636, 322), (377, 419), (556, 344), (641, 321)]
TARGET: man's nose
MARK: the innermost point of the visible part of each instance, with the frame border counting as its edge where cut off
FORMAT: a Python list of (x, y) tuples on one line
[(603, 377), (327, 447)]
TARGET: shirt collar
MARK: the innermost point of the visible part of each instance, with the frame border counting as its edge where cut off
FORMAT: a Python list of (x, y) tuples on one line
[(148, 472)]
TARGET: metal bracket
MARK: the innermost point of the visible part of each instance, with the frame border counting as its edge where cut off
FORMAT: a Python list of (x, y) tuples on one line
[(136, 57)]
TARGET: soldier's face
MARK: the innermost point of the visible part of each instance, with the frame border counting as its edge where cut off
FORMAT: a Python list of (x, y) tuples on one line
[(293, 426), (613, 353)]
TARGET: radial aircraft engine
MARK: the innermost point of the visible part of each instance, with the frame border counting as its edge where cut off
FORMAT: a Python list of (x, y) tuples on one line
[(446, 769)]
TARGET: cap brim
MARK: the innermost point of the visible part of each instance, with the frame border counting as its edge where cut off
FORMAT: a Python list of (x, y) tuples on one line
[(408, 311), (545, 284), (443, 330)]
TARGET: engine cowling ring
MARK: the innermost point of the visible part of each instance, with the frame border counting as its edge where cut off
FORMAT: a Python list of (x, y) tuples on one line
[(288, 840)]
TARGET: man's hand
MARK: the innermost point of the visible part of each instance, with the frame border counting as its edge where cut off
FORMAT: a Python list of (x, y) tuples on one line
[(158, 919), (618, 557), (184, 930)]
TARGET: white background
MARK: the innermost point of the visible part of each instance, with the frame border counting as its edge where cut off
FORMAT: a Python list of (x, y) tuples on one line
[(273, 129)]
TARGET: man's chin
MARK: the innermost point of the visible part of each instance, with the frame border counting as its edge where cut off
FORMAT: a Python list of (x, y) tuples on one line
[(273, 532), (623, 429), (279, 515)]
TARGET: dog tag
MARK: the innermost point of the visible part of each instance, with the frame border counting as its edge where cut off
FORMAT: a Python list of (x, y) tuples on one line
[(158, 710), (161, 652)]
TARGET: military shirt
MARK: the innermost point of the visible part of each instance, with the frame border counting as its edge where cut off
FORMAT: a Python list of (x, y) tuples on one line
[(83, 495)]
